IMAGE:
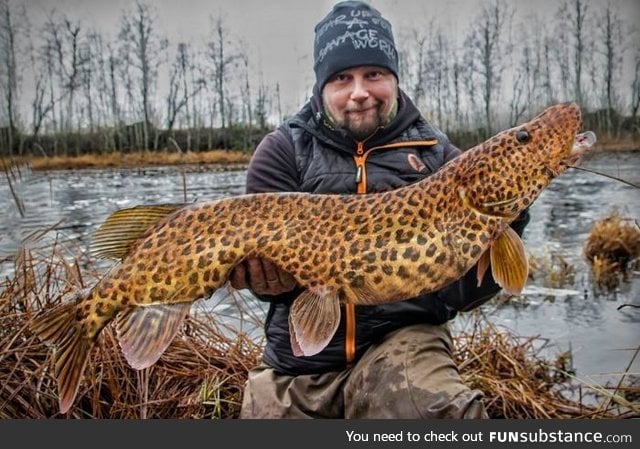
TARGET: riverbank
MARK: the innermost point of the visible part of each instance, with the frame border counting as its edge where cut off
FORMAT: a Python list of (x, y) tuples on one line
[(220, 158), (224, 158)]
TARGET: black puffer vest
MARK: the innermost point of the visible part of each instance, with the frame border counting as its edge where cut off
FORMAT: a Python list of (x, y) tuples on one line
[(327, 161)]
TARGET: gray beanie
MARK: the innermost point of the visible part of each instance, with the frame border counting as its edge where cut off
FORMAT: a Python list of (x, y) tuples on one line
[(352, 34)]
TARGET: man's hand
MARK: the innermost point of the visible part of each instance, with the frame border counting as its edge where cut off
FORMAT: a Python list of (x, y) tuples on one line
[(262, 277)]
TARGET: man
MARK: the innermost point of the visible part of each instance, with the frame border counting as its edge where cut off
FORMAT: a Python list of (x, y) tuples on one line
[(358, 133)]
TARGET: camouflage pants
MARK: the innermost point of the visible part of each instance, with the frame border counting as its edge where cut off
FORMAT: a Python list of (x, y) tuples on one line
[(410, 374)]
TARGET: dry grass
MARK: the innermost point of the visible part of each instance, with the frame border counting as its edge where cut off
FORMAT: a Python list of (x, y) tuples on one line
[(551, 270), (202, 373), (520, 384), (138, 159), (612, 249)]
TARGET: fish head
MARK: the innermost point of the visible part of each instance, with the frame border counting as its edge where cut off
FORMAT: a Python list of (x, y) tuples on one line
[(506, 173)]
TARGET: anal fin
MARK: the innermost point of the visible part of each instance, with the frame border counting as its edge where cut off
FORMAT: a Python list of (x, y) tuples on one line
[(313, 319), (145, 332)]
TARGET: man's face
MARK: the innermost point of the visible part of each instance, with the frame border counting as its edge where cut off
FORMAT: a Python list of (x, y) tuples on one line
[(361, 99)]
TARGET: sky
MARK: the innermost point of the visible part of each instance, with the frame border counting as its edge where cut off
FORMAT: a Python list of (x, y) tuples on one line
[(279, 33)]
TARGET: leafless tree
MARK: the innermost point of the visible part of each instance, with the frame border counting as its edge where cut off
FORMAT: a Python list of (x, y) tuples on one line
[(222, 59), (572, 15), (9, 75), (611, 49), (635, 86), (489, 52), (412, 63), (64, 39), (143, 49), (181, 89), (528, 77)]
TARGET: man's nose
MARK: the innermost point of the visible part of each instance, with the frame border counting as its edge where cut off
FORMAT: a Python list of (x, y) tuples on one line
[(360, 89)]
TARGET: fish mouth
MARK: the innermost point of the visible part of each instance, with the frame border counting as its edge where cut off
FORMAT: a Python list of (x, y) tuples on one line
[(581, 144)]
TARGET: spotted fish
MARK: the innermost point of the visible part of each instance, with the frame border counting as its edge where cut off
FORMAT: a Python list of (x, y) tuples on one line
[(361, 249)]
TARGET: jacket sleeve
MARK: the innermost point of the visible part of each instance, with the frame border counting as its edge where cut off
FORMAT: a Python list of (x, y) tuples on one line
[(273, 166)]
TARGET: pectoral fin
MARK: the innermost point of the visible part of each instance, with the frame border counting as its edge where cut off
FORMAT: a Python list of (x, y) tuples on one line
[(313, 319), (509, 264), (145, 332)]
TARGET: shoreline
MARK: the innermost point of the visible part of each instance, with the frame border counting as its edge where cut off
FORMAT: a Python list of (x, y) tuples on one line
[(218, 159)]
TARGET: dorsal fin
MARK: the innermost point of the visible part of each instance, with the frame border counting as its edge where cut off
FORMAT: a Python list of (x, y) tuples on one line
[(114, 237)]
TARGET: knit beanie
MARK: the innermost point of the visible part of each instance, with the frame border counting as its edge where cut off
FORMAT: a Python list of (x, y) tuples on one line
[(352, 34)]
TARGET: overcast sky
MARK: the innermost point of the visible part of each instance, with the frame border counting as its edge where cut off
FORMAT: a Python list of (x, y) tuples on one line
[(280, 32)]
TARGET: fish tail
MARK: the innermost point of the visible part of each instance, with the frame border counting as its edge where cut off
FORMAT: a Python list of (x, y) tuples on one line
[(59, 328)]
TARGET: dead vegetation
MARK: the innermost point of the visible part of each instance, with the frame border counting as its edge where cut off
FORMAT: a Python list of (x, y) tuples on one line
[(137, 159), (202, 373), (613, 250), (519, 383)]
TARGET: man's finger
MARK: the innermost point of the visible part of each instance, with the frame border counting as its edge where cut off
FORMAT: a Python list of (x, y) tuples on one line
[(287, 281), (257, 280), (270, 272), (238, 277)]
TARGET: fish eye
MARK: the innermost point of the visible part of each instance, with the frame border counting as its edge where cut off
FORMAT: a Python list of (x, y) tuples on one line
[(523, 136)]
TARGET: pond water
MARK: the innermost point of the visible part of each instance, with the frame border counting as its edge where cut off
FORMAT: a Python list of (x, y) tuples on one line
[(602, 338)]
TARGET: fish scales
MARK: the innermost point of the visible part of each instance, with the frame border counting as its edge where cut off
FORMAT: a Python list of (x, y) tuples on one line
[(362, 249)]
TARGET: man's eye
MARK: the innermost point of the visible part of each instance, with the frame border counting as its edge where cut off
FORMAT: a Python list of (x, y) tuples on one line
[(340, 77)]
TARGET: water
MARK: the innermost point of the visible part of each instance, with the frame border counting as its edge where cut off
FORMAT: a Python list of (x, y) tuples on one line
[(601, 337)]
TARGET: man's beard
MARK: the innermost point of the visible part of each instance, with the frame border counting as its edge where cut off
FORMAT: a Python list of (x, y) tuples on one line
[(362, 130)]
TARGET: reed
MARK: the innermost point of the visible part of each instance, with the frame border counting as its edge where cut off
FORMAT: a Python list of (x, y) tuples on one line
[(139, 159), (612, 250)]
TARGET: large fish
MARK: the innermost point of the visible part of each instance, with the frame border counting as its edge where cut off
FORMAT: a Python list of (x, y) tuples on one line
[(361, 249)]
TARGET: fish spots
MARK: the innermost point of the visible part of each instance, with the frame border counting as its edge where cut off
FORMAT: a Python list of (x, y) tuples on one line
[(403, 272), (227, 257), (431, 250), (412, 254), (404, 236), (476, 250)]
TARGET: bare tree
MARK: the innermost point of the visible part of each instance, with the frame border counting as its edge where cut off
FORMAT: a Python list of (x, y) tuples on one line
[(180, 90), (221, 63), (635, 86), (261, 110), (64, 39), (142, 48), (9, 81), (546, 71), (412, 64), (527, 74), (572, 15), (247, 99), (489, 51), (611, 49)]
